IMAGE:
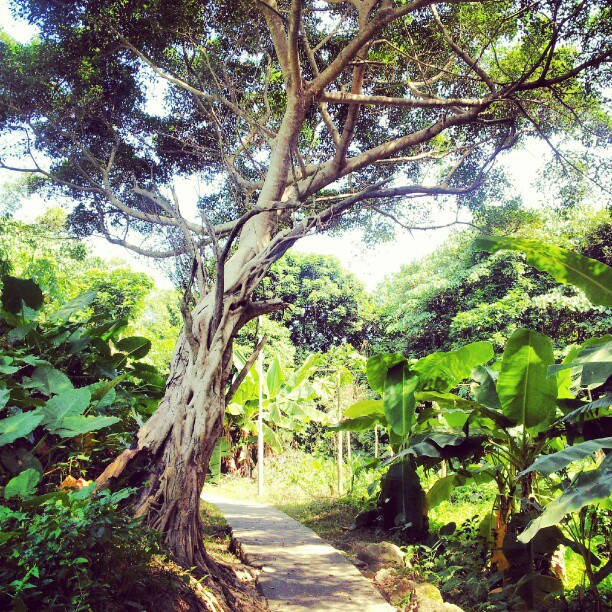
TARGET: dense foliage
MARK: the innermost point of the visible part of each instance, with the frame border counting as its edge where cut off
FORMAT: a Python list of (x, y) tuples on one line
[(459, 294), (511, 420), (72, 393), (327, 306)]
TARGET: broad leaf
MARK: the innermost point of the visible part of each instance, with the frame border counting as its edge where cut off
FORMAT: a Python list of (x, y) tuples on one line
[(361, 423), (5, 365), (5, 395), (19, 425), (547, 464), (526, 393), (589, 410), (420, 449), (486, 392), (78, 303), (275, 377), (68, 404), (220, 451), (593, 363), (49, 380), (590, 275), (398, 398), (450, 401), (306, 369), (442, 489), (377, 366), (364, 408), (23, 485), (271, 439), (588, 488), (19, 291), (441, 371), (71, 426), (101, 390), (134, 347)]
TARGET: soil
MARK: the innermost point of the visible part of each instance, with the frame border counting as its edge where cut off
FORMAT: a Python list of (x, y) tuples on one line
[(166, 587)]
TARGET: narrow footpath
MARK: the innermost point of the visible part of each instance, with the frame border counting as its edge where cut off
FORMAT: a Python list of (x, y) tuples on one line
[(299, 572)]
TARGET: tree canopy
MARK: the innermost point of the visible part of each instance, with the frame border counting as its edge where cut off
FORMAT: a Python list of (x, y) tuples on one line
[(327, 304), (377, 90)]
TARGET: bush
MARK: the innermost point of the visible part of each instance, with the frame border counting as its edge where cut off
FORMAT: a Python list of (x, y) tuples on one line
[(71, 550)]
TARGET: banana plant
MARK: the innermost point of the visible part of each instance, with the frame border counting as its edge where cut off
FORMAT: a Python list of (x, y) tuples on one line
[(288, 404), (418, 435), (526, 406)]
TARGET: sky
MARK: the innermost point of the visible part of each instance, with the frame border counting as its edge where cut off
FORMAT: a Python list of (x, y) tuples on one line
[(369, 264)]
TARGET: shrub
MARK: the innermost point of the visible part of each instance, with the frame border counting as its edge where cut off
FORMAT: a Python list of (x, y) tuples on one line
[(70, 550)]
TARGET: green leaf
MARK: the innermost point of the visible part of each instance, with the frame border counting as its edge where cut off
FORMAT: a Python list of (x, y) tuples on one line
[(361, 423), (588, 410), (221, 450), (377, 366), (19, 291), (588, 488), (5, 365), (71, 426), (441, 371), (364, 408), (590, 275), (19, 425), (78, 303), (101, 390), (309, 366), (49, 380), (271, 439), (67, 404), (547, 464), (275, 377), (593, 363), (5, 395), (23, 485), (486, 393), (442, 489), (525, 391), (134, 347), (398, 398)]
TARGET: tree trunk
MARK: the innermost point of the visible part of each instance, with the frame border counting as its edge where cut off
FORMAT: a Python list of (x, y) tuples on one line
[(169, 458)]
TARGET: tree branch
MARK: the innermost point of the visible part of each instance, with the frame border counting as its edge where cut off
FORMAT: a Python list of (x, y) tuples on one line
[(245, 370)]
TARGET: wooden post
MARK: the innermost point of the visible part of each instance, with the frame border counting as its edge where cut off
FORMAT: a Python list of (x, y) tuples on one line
[(340, 484), (260, 437)]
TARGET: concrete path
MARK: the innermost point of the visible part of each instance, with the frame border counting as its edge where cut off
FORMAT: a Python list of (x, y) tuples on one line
[(300, 572)]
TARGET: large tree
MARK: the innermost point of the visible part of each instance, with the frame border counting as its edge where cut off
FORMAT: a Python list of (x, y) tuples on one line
[(329, 306), (299, 115)]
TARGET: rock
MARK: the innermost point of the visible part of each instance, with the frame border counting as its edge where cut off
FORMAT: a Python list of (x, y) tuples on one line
[(428, 598), (380, 555), (411, 596), (397, 588)]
